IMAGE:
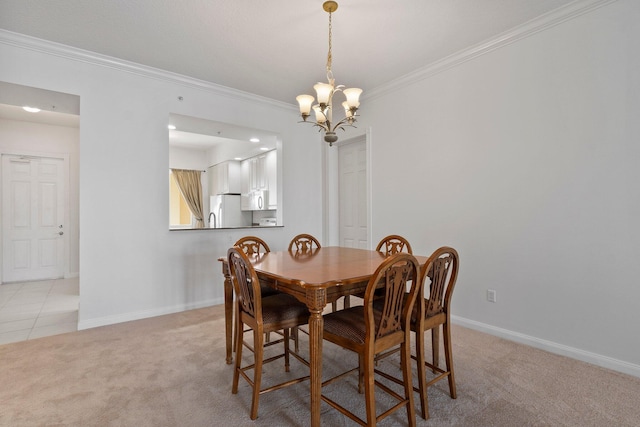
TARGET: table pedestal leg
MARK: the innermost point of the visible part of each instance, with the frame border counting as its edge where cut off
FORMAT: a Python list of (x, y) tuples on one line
[(228, 311), (316, 301)]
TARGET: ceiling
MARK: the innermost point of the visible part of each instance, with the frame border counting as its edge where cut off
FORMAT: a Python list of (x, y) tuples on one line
[(276, 48), (239, 142)]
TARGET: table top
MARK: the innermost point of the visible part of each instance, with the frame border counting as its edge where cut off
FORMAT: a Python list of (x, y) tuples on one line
[(320, 268)]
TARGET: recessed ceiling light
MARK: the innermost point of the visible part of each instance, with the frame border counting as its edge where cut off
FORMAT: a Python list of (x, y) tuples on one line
[(254, 140), (171, 127), (31, 109), (264, 148), (237, 158)]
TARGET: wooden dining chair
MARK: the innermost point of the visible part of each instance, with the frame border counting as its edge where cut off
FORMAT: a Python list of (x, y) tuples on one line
[(303, 243), (270, 314), (393, 244), (367, 332), (438, 281), (251, 245)]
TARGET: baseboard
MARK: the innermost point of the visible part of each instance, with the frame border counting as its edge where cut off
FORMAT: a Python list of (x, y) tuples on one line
[(552, 347), (127, 317)]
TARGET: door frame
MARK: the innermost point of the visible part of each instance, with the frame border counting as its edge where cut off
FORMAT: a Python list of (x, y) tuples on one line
[(65, 177), (331, 193)]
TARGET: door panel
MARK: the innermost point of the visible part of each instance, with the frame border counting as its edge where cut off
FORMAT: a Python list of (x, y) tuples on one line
[(32, 218), (352, 173)]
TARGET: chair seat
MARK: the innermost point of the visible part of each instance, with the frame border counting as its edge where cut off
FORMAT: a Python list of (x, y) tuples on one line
[(348, 323), (281, 308)]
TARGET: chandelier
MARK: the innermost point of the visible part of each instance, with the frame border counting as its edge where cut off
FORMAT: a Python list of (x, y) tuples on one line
[(324, 92)]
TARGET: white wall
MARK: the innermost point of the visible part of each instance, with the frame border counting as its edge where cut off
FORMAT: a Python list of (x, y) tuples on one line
[(18, 137), (131, 265), (525, 159)]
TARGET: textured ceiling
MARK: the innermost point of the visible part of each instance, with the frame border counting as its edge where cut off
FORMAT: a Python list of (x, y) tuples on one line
[(274, 48)]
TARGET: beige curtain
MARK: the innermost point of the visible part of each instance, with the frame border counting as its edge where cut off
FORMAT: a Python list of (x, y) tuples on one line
[(191, 188)]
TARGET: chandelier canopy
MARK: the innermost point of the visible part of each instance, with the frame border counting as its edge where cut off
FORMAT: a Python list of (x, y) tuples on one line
[(324, 92)]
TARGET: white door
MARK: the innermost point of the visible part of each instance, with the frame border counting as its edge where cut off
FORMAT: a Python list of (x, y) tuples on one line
[(32, 218), (352, 177)]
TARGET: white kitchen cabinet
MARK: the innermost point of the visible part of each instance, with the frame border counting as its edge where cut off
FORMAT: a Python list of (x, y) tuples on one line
[(245, 186), (225, 178), (260, 173), (271, 175)]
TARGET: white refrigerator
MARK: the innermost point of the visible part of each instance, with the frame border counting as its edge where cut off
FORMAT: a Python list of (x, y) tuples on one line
[(225, 212)]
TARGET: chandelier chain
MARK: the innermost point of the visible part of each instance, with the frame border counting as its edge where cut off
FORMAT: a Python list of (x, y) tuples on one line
[(329, 54)]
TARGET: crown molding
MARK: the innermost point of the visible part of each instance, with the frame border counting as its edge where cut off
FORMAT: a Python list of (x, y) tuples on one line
[(541, 23), (75, 54)]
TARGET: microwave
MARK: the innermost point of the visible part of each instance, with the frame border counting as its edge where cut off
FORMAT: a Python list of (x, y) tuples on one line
[(254, 201)]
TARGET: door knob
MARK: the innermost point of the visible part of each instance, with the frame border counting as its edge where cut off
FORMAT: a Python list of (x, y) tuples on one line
[(61, 233)]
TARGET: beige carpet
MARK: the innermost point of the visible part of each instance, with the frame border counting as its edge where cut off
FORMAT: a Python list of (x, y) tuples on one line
[(170, 371)]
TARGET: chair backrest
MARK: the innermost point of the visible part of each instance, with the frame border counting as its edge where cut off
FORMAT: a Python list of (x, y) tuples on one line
[(394, 273), (441, 270), (252, 245), (303, 243), (393, 244), (245, 282)]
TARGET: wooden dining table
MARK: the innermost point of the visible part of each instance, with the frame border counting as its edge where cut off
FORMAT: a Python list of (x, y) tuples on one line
[(316, 278)]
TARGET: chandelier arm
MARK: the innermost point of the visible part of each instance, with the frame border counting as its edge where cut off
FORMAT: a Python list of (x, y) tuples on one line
[(321, 126), (342, 123)]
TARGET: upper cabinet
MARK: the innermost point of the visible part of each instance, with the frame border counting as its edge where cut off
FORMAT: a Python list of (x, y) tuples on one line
[(271, 176), (260, 173), (225, 178)]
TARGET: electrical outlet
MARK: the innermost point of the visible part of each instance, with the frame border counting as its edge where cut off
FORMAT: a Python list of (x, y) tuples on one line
[(491, 295)]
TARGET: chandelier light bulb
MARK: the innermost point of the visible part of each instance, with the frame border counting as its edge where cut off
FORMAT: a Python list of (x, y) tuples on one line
[(305, 102), (323, 92), (320, 117), (353, 96)]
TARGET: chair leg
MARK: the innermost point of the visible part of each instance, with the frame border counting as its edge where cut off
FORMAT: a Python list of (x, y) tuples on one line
[(234, 322), (448, 354), (238, 349), (422, 374), (286, 349), (435, 347), (360, 373), (405, 358), (294, 333), (258, 355), (369, 389)]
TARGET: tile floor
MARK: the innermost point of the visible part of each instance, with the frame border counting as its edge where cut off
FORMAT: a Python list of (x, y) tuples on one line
[(38, 309)]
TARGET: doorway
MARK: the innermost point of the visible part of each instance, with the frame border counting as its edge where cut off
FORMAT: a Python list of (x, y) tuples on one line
[(33, 213), (39, 181), (348, 193)]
